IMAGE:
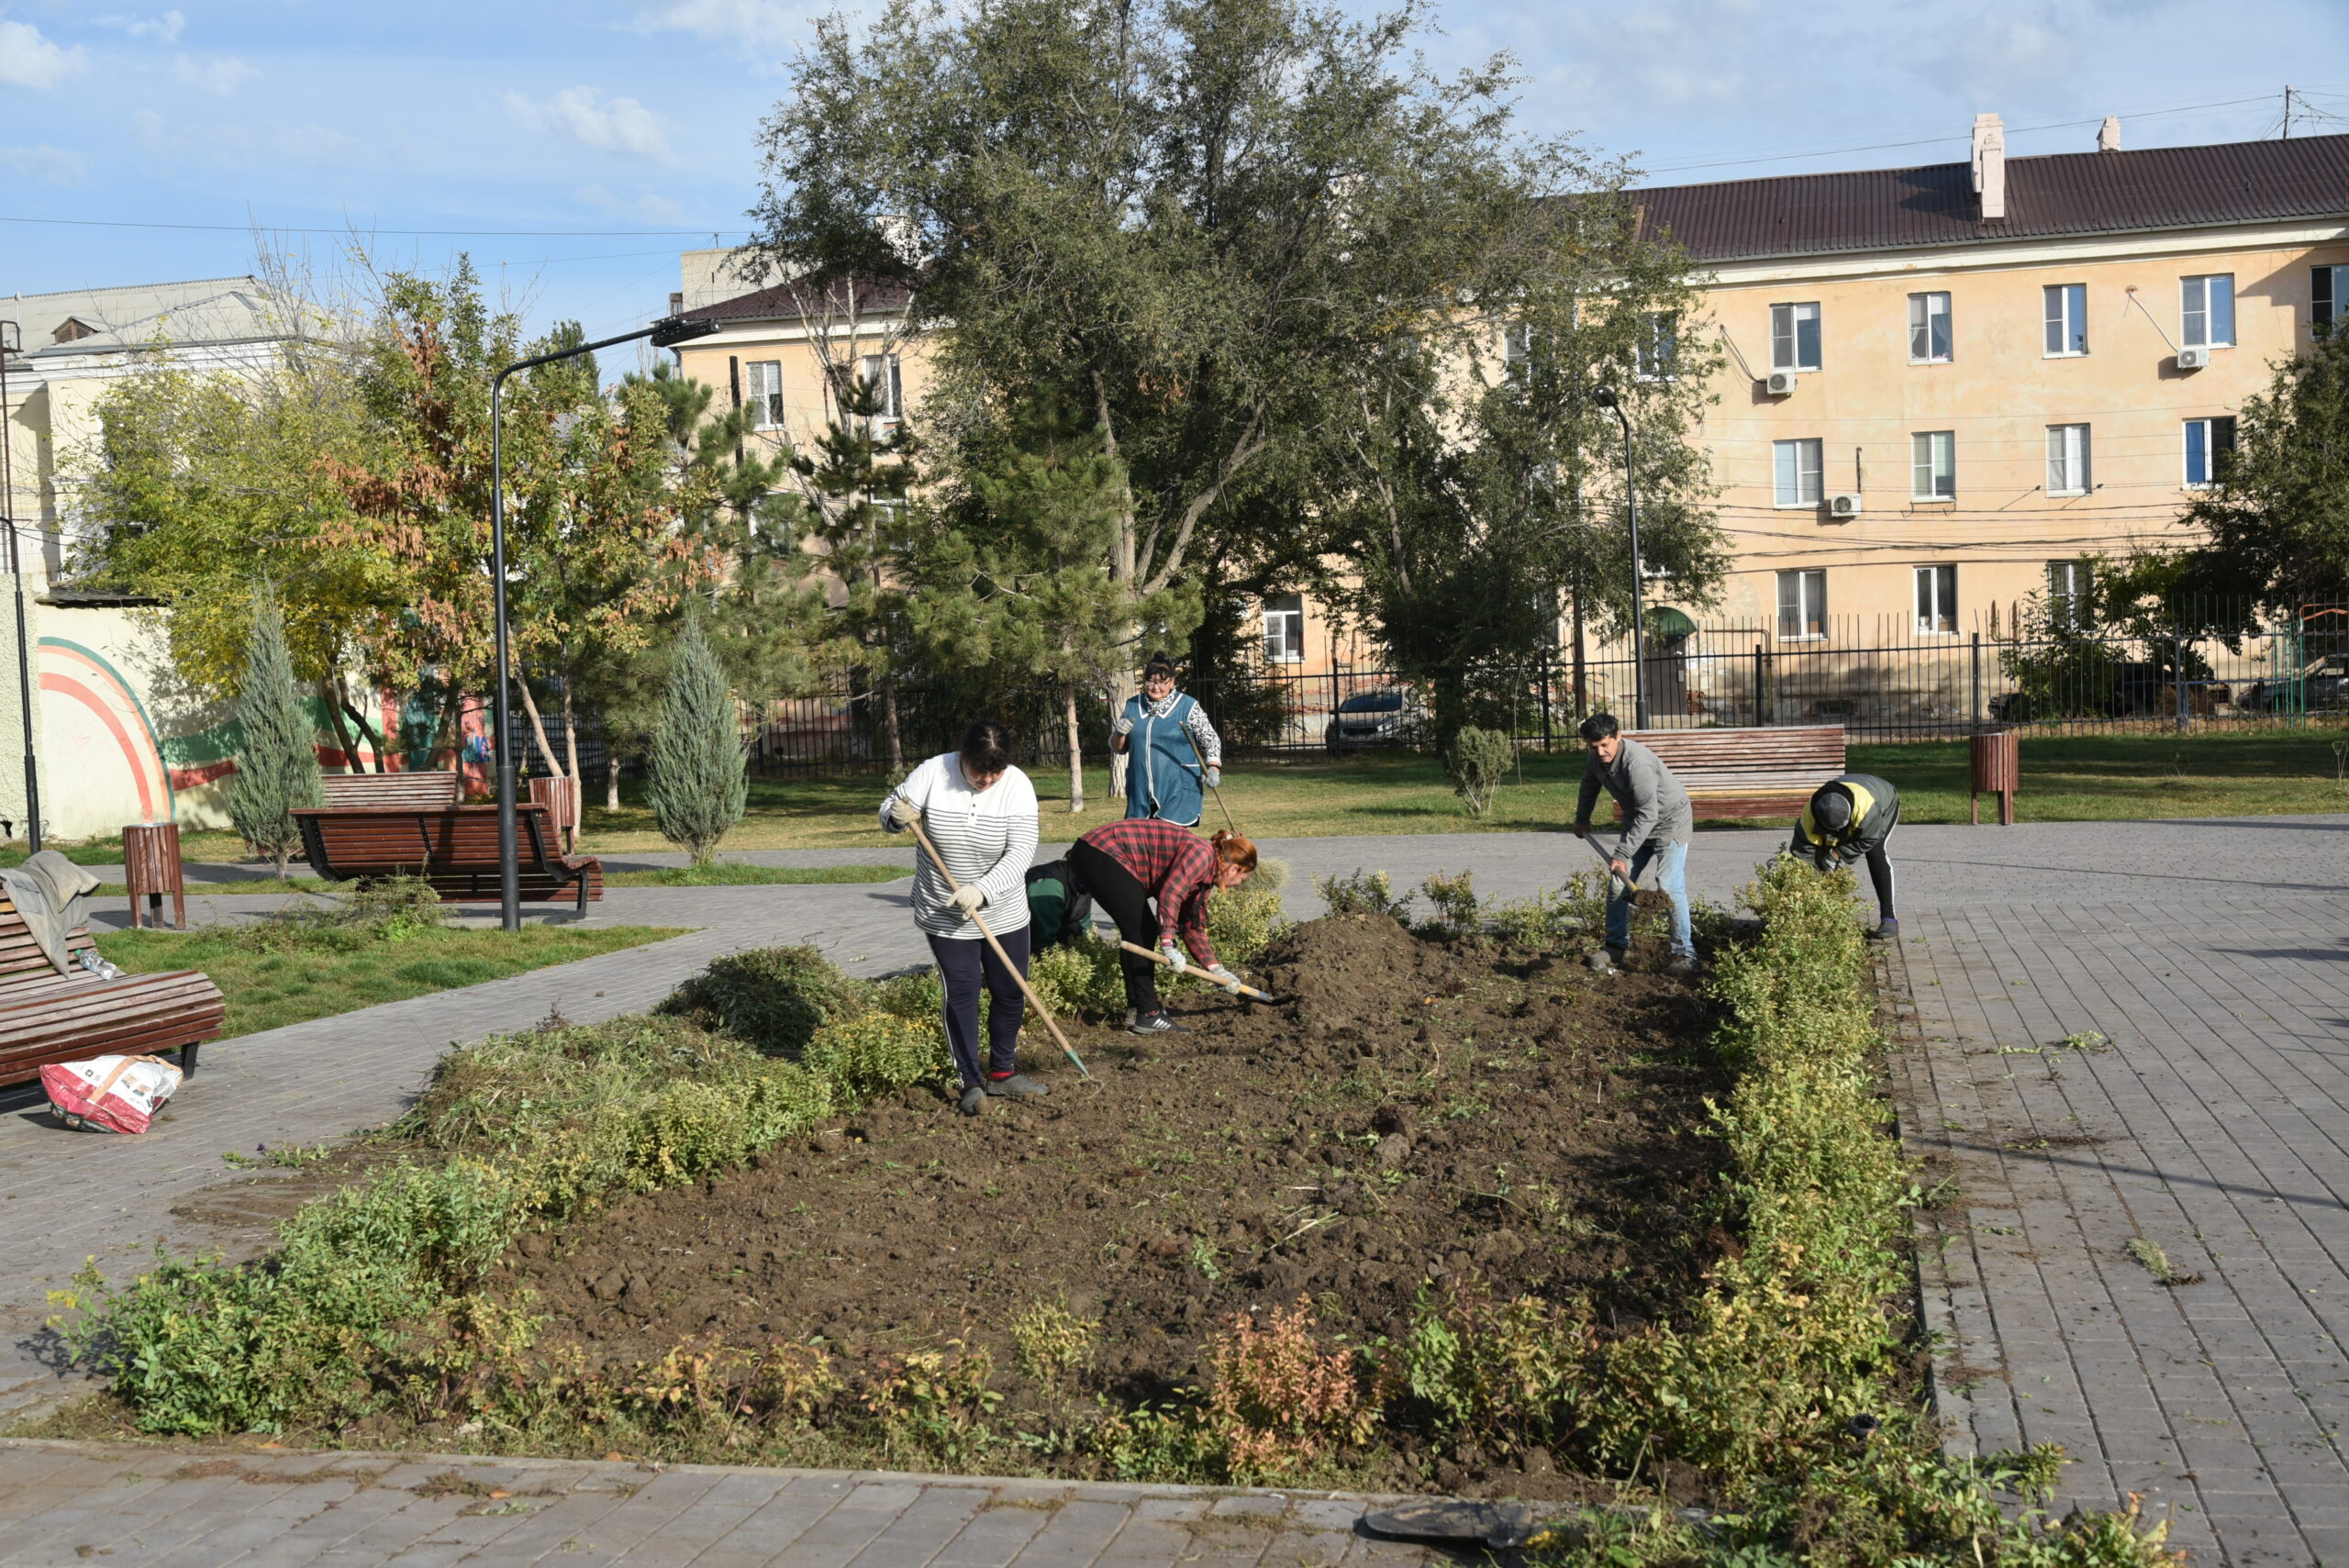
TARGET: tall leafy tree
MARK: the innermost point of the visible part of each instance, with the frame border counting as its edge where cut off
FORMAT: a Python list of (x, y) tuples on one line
[(856, 482), (1191, 221), (2276, 514), (277, 762)]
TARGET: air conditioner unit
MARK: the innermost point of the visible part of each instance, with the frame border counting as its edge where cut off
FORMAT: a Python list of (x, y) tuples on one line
[(1846, 505), (2193, 358), (1781, 383)]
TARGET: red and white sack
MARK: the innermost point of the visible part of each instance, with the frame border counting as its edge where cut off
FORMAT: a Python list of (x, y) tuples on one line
[(109, 1093)]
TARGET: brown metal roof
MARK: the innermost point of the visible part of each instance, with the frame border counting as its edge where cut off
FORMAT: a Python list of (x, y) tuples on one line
[(782, 302), (2080, 193)]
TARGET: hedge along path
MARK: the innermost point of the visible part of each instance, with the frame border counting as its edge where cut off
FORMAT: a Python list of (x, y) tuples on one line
[(1028, 991)]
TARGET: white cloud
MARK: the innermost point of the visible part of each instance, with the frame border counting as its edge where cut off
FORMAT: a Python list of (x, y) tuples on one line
[(616, 124), (164, 29), (223, 76), (28, 59), (647, 206), (751, 23), (51, 165)]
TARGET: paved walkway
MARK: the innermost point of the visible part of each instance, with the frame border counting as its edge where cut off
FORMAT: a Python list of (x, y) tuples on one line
[(72, 1503), (2216, 1125)]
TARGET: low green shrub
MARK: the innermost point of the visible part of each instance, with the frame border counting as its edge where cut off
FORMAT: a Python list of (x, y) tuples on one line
[(1458, 911), (1364, 893), (1081, 975), (1550, 921), (774, 997), (1476, 764), (878, 1054)]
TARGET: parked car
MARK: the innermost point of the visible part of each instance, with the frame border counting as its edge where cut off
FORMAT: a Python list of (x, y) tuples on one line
[(2324, 685), (1388, 717), (2108, 690)]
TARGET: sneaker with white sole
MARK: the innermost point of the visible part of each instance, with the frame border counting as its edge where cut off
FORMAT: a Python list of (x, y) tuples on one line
[(1015, 1087), (1155, 1021)]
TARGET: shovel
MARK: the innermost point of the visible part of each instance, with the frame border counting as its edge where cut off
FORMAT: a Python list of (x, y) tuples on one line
[(1156, 957), (1631, 888)]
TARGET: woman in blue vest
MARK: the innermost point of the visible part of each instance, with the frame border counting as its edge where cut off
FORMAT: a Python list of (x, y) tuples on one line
[(1169, 748)]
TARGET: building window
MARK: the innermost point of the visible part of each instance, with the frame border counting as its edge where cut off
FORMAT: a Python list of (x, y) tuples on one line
[(2069, 584), (2067, 459), (1517, 347), (1659, 346), (882, 372), (1932, 465), (1936, 600), (763, 382), (2328, 298), (1797, 468), (1928, 329), (2210, 446), (1794, 337), (2207, 316), (1802, 604), (2067, 318), (1285, 628)]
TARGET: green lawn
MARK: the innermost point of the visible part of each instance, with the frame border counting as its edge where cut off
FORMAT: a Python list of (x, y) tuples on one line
[(2065, 778), (734, 873), (267, 989)]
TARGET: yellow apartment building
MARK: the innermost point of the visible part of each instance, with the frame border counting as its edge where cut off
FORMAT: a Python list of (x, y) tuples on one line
[(1946, 385)]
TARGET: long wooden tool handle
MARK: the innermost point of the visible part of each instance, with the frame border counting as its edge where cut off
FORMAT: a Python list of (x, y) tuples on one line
[(1029, 991), (1157, 957), (1211, 789), (1629, 887)]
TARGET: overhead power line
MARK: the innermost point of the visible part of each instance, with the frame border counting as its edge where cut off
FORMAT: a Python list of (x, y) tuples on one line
[(395, 233)]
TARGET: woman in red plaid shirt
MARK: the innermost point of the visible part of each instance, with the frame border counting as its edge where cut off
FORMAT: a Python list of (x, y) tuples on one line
[(1127, 865)]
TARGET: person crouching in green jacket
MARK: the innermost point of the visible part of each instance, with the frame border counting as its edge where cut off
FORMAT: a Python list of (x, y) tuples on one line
[(1850, 818)]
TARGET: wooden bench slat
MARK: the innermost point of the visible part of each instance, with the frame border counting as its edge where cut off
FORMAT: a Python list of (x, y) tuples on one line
[(453, 847), (46, 1017), (414, 789), (1738, 773)]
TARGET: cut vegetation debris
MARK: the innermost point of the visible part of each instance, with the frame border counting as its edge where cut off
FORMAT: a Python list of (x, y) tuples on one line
[(1457, 1217), (2156, 1262)]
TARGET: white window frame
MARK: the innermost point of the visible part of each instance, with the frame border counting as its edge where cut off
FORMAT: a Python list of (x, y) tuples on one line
[(2209, 425), (1786, 322), (2198, 308), (1810, 604), (763, 392), (1656, 356), (2328, 298), (1932, 465), (1286, 645), (2066, 596), (887, 372), (1921, 316), (1936, 595), (2065, 320), (1808, 455), (2066, 452)]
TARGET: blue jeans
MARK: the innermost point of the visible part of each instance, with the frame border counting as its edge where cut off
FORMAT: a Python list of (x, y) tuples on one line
[(1672, 875)]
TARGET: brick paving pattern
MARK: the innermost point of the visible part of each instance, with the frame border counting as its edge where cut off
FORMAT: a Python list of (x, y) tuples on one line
[(73, 1503)]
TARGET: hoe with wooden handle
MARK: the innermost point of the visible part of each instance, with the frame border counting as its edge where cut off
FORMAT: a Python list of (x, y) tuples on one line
[(1157, 957), (1033, 1000)]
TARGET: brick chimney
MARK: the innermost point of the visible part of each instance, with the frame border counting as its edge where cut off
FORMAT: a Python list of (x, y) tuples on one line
[(2107, 136), (1990, 165)]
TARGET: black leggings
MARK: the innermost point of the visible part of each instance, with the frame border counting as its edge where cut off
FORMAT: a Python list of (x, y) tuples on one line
[(1120, 892)]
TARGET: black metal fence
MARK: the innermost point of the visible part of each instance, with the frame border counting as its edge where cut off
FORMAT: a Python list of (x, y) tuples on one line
[(2275, 670)]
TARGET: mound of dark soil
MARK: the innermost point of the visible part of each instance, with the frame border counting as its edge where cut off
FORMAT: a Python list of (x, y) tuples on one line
[(1411, 1113)]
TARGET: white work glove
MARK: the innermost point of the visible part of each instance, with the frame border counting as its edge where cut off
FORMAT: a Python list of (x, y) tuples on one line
[(1175, 958), (1215, 777), (903, 812), (1225, 978), (967, 899), (1125, 726)]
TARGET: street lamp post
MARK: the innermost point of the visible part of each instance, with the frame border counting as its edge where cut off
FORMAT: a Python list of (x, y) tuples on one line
[(669, 330), (12, 342), (1606, 398)]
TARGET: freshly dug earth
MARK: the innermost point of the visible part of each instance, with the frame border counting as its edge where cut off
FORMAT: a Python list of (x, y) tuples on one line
[(1412, 1114)]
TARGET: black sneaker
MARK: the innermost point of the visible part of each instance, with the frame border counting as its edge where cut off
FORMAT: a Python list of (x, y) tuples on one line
[(1889, 930), (1155, 1021), (973, 1099), (1016, 1087)]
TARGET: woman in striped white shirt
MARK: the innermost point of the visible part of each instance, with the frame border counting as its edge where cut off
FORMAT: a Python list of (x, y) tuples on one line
[(980, 812)]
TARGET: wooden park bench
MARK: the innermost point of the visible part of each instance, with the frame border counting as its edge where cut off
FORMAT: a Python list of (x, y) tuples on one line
[(1732, 773), (390, 789), (453, 847), (46, 1017)]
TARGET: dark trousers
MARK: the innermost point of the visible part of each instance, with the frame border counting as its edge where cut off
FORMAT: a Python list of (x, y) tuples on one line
[(965, 966), (1880, 874), (1115, 889)]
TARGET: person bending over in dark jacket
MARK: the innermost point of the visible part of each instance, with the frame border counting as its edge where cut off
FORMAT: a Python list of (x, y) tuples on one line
[(1850, 818)]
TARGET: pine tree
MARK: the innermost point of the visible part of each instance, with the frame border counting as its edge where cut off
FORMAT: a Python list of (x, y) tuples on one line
[(698, 787), (278, 768)]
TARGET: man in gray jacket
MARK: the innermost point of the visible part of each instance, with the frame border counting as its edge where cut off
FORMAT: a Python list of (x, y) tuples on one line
[(1656, 824)]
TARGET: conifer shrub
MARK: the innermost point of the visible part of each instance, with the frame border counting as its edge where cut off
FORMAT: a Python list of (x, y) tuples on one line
[(277, 761), (1476, 762), (698, 787)]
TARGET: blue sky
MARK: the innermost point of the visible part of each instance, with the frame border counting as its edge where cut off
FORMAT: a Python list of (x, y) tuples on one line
[(581, 144)]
